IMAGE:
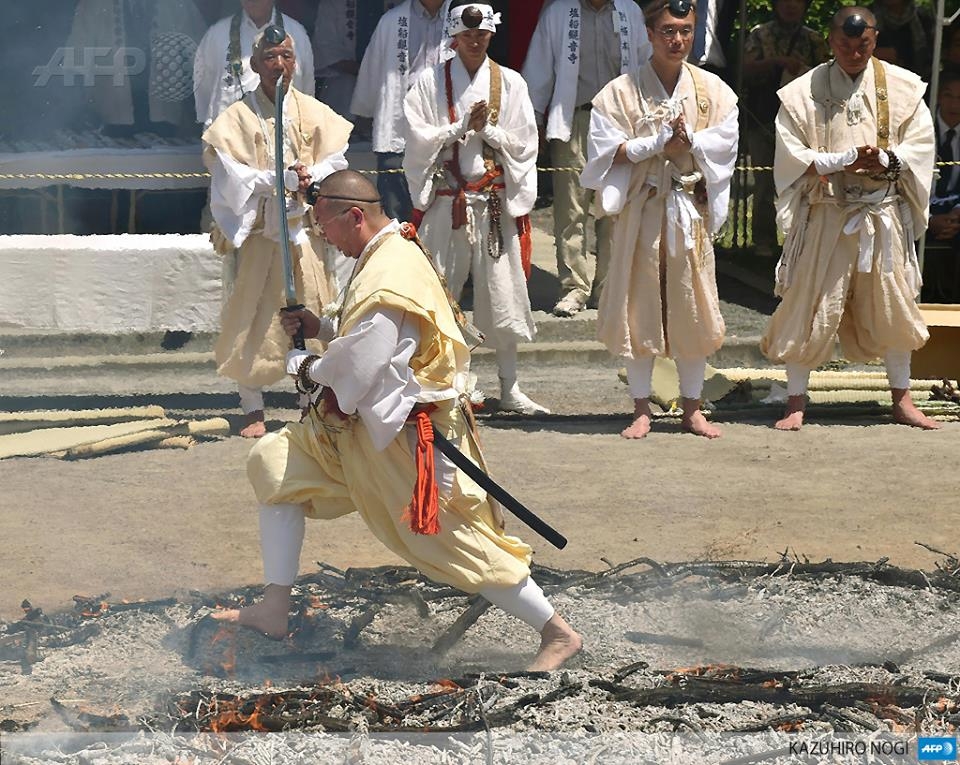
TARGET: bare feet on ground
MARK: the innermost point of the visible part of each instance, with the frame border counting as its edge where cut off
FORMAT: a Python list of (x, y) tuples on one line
[(558, 642), (694, 422), (268, 617), (641, 420), (793, 418), (253, 425), (906, 413)]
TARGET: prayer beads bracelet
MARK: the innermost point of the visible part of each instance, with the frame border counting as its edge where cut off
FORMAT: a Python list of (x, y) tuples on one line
[(892, 173), (304, 382)]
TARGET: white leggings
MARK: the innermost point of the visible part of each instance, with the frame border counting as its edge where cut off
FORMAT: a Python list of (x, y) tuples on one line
[(251, 399), (898, 374), (281, 539), (690, 372)]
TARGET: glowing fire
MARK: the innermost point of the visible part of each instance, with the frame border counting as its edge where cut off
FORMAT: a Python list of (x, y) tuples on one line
[(232, 719), (229, 660)]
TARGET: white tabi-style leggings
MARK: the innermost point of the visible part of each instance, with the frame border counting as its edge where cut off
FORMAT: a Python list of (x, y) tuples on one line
[(281, 539), (898, 374), (506, 353), (251, 399), (690, 372)]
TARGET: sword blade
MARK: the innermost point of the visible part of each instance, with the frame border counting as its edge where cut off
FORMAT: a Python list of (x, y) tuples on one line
[(286, 256), (495, 490)]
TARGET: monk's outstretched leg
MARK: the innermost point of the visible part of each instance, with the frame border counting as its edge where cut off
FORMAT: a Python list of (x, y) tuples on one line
[(642, 416), (281, 539), (526, 601), (268, 617), (558, 643)]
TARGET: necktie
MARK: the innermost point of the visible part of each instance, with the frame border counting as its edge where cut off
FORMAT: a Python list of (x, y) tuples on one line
[(700, 32), (946, 154)]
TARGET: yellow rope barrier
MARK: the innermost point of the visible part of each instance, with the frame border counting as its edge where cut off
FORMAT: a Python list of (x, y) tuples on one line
[(182, 176)]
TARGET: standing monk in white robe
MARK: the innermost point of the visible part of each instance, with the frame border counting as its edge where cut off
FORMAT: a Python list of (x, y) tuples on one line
[(663, 142), (471, 167), (222, 71), (239, 152), (853, 169), (393, 375), (409, 39), (578, 46)]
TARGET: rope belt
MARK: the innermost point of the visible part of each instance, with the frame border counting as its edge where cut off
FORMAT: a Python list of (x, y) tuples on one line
[(485, 185)]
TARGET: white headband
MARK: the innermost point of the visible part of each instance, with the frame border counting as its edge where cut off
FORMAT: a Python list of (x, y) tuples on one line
[(489, 22)]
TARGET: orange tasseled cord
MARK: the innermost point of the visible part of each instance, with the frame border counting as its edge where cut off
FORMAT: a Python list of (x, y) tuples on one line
[(424, 510)]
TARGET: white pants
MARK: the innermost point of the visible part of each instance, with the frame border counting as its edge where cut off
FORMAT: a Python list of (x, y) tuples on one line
[(898, 374), (281, 539), (690, 372)]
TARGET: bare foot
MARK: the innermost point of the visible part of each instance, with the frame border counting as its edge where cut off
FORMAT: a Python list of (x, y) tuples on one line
[(268, 617), (793, 418), (906, 413), (694, 422), (253, 425), (641, 420), (558, 642)]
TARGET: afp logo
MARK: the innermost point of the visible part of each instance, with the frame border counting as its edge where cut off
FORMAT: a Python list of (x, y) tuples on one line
[(940, 748)]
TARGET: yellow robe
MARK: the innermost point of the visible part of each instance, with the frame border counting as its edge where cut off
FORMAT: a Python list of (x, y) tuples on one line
[(252, 345), (860, 284), (330, 465)]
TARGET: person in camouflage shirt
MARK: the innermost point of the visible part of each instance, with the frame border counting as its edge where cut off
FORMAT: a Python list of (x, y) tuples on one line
[(774, 54)]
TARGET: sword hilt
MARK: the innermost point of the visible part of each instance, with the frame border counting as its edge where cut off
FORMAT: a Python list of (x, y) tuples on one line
[(298, 340)]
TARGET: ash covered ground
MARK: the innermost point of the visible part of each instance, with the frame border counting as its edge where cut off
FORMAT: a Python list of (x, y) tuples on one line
[(687, 662)]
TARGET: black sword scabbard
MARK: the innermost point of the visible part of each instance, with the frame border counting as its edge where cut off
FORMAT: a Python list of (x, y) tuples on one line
[(495, 490)]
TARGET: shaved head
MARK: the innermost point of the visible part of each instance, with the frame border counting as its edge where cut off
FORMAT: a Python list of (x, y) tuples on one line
[(347, 210), (347, 186), (853, 10)]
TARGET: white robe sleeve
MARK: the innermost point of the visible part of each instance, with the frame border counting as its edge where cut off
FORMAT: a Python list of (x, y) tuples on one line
[(715, 152), (599, 172), (329, 164), (206, 72), (516, 134), (428, 134), (791, 160), (916, 150), (372, 74), (369, 370), (539, 67), (235, 192)]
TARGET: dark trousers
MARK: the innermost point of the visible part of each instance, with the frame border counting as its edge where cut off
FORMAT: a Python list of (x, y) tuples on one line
[(394, 194)]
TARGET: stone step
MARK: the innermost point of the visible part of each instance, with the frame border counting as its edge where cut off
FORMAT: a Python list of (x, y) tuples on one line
[(28, 343), (736, 352)]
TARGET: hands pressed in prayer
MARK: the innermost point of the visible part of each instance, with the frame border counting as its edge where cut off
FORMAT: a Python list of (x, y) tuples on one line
[(679, 143), (478, 116), (867, 161)]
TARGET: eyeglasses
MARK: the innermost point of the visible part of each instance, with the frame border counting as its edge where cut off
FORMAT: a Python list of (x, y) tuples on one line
[(668, 33), (331, 219)]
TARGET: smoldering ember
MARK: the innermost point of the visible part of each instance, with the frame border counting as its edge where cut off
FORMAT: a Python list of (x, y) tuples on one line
[(700, 662)]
